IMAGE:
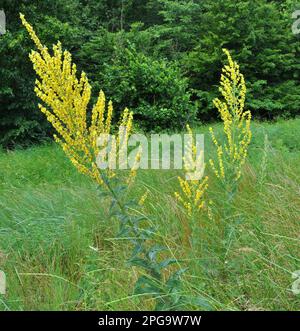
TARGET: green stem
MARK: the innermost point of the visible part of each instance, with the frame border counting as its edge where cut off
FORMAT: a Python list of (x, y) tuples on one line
[(124, 212)]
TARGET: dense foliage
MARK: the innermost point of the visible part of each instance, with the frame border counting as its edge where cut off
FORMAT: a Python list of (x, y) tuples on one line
[(153, 88), (160, 57)]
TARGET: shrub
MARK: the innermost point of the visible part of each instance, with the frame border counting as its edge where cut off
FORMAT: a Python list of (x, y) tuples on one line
[(154, 89)]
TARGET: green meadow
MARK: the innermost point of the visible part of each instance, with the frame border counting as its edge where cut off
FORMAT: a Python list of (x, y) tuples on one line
[(60, 251)]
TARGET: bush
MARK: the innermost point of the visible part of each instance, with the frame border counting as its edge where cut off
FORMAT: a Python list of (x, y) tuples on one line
[(154, 89)]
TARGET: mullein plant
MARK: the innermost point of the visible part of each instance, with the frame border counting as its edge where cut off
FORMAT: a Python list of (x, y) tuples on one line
[(192, 196), (232, 149), (192, 189), (65, 103), (232, 152)]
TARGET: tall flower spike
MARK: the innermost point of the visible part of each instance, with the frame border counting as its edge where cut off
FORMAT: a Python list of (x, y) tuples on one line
[(65, 104), (192, 191), (232, 154)]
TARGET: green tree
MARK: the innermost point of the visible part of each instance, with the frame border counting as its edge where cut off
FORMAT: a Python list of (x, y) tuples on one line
[(154, 89)]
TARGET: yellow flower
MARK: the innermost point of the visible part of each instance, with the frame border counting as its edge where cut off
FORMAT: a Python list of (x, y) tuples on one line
[(143, 198), (232, 154), (65, 100), (192, 191)]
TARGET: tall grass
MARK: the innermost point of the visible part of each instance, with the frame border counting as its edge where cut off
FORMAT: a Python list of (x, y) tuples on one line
[(59, 251)]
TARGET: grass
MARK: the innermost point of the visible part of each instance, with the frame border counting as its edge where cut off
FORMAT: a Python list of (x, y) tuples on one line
[(59, 251)]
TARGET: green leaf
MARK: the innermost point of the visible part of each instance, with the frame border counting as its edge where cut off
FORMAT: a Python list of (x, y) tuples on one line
[(139, 262), (147, 285), (166, 263), (174, 280)]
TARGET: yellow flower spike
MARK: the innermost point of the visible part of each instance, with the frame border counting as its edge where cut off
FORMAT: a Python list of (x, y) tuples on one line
[(185, 187), (143, 198), (213, 137), (232, 153), (188, 207), (33, 35), (109, 117), (65, 101), (201, 190), (178, 197), (192, 197), (135, 166)]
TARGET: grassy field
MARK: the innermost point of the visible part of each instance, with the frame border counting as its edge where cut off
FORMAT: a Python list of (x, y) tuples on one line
[(59, 251)]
